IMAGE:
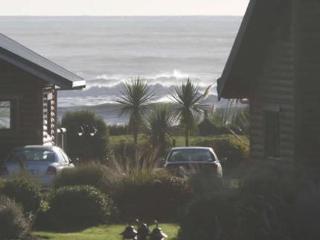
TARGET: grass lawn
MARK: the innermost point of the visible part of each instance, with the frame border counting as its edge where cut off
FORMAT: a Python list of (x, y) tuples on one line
[(111, 232)]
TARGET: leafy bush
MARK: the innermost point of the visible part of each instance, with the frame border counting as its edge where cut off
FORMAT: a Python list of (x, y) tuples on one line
[(116, 130), (233, 150), (74, 207), (123, 161), (87, 135), (209, 218), (94, 174), (12, 221), (260, 209), (24, 190), (232, 118), (305, 214), (151, 196)]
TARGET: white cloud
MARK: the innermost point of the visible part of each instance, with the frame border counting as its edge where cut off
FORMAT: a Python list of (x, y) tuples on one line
[(123, 7)]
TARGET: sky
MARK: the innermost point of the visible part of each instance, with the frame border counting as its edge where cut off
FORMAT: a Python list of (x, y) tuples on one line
[(122, 7)]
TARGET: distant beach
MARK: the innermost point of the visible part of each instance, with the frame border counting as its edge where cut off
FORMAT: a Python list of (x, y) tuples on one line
[(106, 51)]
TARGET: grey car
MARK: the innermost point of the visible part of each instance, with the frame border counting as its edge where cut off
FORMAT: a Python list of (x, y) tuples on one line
[(191, 159), (43, 162)]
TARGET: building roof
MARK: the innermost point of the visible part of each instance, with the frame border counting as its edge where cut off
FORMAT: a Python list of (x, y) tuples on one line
[(29, 61), (247, 53)]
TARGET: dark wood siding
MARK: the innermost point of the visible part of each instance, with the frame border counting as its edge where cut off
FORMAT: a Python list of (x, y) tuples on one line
[(26, 92), (274, 90), (308, 72)]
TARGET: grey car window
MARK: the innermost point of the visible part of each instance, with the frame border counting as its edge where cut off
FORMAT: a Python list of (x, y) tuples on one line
[(32, 155), (195, 155)]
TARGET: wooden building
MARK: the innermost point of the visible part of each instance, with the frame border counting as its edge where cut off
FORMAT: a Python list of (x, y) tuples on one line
[(28, 95), (275, 64)]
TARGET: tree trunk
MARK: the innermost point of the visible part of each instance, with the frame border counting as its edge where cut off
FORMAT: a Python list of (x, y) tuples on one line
[(135, 143), (186, 135)]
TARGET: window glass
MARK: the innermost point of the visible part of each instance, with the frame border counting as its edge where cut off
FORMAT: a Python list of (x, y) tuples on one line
[(194, 155), (32, 155), (5, 114)]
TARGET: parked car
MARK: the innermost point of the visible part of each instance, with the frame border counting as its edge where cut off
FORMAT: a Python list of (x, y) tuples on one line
[(186, 160), (43, 162)]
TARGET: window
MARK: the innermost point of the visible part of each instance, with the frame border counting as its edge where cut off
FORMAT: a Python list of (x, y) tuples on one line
[(191, 155), (272, 134), (5, 114)]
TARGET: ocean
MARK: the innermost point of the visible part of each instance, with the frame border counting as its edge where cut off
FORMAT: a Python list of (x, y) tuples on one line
[(107, 51)]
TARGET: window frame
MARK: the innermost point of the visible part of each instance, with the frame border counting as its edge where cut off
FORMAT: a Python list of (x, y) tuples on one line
[(13, 113)]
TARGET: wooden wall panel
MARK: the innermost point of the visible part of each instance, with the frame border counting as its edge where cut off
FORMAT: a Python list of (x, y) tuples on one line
[(275, 87), (27, 93), (308, 71)]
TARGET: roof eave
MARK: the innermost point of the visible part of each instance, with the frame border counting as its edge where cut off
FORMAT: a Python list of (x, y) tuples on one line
[(42, 73), (226, 75)]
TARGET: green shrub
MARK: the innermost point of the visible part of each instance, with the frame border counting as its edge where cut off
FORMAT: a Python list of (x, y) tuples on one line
[(96, 175), (259, 209), (74, 207), (205, 183), (13, 224), (124, 162), (24, 190), (86, 147), (305, 214), (232, 150), (209, 218), (116, 130), (150, 196)]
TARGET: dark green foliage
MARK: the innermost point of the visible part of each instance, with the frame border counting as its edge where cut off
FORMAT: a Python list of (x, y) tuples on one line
[(13, 224), (205, 183), (149, 196), (231, 150), (306, 212), (210, 219), (74, 207), (274, 202), (231, 118), (94, 174), (86, 147), (123, 150), (134, 100), (159, 125), (25, 191), (207, 128), (189, 105), (116, 130)]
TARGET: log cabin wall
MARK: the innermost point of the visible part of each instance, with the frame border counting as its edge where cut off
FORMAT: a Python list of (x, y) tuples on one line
[(25, 93), (308, 74), (274, 91)]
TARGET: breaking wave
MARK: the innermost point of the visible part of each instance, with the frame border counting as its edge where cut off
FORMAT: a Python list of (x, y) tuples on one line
[(106, 88)]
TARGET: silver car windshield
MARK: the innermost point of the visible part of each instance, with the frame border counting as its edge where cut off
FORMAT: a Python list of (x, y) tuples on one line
[(191, 155), (32, 155)]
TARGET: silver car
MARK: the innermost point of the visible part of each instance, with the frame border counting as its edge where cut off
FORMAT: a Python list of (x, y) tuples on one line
[(191, 159), (43, 162)]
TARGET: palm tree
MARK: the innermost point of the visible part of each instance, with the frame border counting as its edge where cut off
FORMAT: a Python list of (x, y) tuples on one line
[(188, 98), (134, 99), (159, 124)]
